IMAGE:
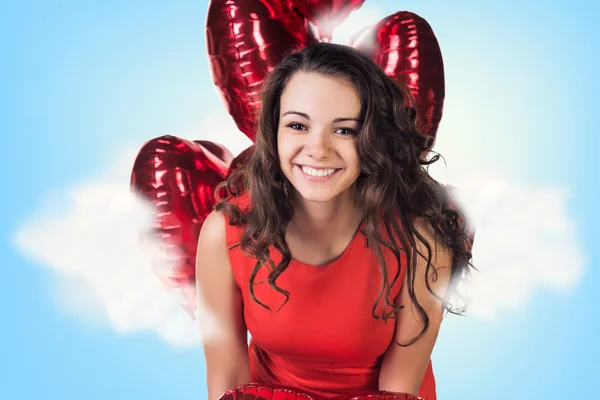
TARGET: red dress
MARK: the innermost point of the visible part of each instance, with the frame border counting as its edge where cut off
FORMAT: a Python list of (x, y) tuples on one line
[(324, 340)]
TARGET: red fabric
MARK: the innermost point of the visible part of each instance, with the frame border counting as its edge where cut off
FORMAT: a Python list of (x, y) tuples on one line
[(324, 340)]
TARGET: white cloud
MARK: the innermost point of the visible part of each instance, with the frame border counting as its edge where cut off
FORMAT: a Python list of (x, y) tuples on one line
[(525, 242), (89, 236)]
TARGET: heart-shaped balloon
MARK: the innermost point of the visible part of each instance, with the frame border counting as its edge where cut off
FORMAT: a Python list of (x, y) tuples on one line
[(245, 40), (325, 15), (257, 391), (406, 49), (241, 159), (178, 178)]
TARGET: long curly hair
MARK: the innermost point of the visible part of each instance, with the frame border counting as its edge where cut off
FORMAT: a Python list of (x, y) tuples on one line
[(393, 186)]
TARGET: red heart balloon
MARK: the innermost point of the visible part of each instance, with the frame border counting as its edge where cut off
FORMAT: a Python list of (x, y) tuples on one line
[(178, 177), (246, 39), (405, 47), (257, 391), (241, 159), (325, 14)]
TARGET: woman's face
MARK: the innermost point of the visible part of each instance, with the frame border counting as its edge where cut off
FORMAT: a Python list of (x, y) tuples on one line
[(317, 135)]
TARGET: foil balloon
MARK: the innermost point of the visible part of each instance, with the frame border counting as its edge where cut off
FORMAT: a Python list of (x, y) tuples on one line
[(325, 15), (178, 178), (238, 185), (405, 47), (241, 159), (245, 40), (257, 391)]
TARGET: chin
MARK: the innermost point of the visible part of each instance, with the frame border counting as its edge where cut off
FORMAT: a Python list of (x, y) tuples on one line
[(318, 194), (314, 196)]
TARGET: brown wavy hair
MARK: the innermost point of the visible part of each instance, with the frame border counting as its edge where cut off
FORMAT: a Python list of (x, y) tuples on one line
[(393, 186)]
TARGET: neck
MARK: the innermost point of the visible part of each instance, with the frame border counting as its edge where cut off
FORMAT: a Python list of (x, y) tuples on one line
[(312, 218)]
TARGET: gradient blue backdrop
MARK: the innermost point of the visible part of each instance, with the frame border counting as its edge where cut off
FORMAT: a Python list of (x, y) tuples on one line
[(81, 77)]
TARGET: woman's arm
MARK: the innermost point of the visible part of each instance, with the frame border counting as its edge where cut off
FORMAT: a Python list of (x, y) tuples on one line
[(403, 368), (224, 340)]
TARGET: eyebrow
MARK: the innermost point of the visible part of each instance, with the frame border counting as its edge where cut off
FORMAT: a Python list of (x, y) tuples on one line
[(305, 116)]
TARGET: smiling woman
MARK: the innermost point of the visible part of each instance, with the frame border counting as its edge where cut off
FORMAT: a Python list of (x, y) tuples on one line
[(319, 143), (331, 231)]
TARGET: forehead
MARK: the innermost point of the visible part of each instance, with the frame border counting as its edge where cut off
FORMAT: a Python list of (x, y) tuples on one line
[(320, 96)]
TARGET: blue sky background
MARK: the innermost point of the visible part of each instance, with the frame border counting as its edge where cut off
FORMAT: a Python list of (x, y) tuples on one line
[(83, 80)]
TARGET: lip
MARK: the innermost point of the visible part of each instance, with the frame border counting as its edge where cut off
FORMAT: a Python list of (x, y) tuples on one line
[(315, 178)]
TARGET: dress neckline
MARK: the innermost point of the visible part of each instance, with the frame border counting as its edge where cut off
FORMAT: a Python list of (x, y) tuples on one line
[(340, 257)]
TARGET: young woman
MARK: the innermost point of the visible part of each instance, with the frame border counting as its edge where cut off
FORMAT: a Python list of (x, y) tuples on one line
[(335, 249)]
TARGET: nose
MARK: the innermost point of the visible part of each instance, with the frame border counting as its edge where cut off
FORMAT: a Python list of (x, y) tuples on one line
[(318, 144)]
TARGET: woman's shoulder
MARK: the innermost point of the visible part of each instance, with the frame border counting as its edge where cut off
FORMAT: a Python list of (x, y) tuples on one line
[(214, 226)]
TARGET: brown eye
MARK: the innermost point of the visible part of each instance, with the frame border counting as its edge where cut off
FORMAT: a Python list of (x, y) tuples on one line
[(346, 131), (296, 126)]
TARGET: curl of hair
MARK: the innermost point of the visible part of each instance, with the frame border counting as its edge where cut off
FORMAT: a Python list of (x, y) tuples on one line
[(393, 186)]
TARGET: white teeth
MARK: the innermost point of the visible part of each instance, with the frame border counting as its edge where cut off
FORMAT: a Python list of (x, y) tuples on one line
[(317, 172)]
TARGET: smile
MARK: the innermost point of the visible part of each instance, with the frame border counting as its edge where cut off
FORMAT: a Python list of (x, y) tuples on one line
[(314, 174)]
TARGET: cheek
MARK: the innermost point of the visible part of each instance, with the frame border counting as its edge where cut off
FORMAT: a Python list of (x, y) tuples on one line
[(286, 148), (352, 158)]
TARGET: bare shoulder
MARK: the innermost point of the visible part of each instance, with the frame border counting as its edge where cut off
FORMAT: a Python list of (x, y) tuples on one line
[(213, 228), (426, 230), (424, 227), (440, 258)]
